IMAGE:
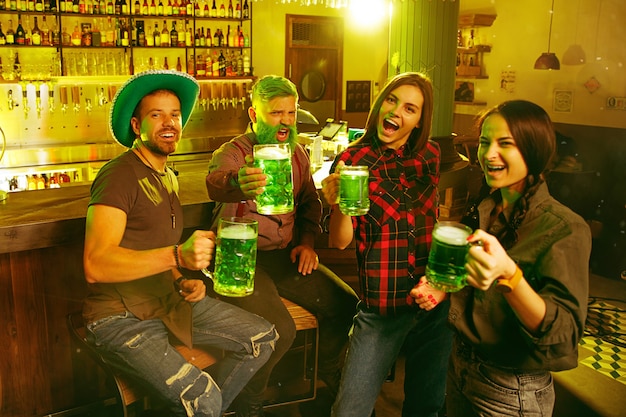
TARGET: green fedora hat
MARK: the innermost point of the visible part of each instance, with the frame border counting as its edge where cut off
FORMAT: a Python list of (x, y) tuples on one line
[(137, 87)]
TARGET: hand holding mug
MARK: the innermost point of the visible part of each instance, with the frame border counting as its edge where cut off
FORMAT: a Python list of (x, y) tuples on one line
[(487, 263), (330, 185), (251, 180)]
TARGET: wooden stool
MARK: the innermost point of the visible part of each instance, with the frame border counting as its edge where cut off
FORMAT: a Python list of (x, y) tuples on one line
[(129, 392)]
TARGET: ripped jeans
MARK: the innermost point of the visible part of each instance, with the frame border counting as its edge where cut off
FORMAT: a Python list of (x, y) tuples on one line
[(141, 350)]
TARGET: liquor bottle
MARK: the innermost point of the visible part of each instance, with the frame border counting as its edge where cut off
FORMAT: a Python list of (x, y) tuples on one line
[(213, 10), (117, 7), (3, 38), (209, 38), (125, 37), (201, 69), (149, 36), (13, 5), (89, 6), (470, 40), (66, 38), (56, 35), (216, 37), (136, 7), (31, 5), (202, 37), (52, 6), (27, 33), (215, 71), (168, 8), (196, 38), (125, 7), (156, 35), (39, 5), (165, 35), (189, 38), (209, 65), (191, 65), (222, 12), (17, 67), (179, 65), (110, 7), (20, 35), (152, 9), (230, 10), (96, 35), (239, 64), (76, 35), (197, 11), (110, 33), (246, 10), (238, 10), (145, 8), (160, 8), (222, 64), (35, 34), (46, 34), (174, 35), (10, 34), (141, 33), (241, 39), (228, 37), (175, 8), (188, 8), (165, 64), (205, 10)]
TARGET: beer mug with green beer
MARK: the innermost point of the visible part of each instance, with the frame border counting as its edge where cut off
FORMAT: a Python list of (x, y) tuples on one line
[(354, 197), (275, 160), (235, 257), (446, 261)]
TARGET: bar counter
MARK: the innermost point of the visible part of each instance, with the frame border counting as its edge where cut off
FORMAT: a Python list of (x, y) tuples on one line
[(41, 281)]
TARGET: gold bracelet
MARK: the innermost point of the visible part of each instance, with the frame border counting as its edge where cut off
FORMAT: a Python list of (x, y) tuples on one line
[(506, 285)]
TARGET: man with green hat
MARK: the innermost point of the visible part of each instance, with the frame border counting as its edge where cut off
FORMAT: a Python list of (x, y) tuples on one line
[(133, 256)]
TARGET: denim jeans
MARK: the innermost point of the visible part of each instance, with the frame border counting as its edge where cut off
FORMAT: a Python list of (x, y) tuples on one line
[(322, 293), (376, 341), (477, 388), (141, 350)]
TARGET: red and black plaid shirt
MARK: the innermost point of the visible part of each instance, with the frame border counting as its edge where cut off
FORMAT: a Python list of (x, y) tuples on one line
[(393, 238)]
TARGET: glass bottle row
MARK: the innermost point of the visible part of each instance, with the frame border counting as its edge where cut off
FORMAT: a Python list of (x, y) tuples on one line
[(197, 8)]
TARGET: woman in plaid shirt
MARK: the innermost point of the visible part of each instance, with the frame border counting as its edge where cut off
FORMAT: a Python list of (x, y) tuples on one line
[(392, 243)]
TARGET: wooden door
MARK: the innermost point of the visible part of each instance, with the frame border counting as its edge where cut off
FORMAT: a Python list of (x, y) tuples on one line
[(314, 47)]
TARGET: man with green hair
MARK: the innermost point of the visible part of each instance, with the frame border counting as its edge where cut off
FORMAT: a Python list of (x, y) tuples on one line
[(287, 264)]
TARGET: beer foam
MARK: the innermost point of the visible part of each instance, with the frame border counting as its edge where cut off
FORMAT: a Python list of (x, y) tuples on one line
[(237, 231), (451, 235), (354, 172), (269, 152)]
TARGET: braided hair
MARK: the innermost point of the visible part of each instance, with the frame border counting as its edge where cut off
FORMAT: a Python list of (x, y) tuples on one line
[(534, 136)]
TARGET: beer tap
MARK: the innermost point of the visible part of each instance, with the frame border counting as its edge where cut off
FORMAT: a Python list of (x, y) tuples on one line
[(102, 100), (38, 105), (76, 98), (63, 94), (24, 86), (50, 97), (214, 99), (242, 95), (10, 100), (204, 96)]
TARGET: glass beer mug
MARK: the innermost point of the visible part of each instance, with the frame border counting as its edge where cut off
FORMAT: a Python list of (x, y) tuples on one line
[(445, 270), (235, 257), (354, 199), (275, 160)]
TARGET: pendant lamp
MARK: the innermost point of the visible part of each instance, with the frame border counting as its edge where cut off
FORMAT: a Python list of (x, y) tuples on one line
[(548, 60)]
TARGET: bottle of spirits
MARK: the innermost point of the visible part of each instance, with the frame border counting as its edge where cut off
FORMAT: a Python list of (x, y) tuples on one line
[(17, 67), (141, 33), (20, 35), (160, 8), (213, 10), (76, 36), (246, 10), (168, 8), (149, 36), (238, 10), (174, 35), (3, 39), (39, 5), (165, 35), (222, 64), (165, 64), (152, 9), (10, 35), (222, 12), (156, 35), (230, 12), (46, 34), (179, 65), (36, 34)]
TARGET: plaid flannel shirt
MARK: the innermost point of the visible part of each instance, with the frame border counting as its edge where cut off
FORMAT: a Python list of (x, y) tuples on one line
[(394, 237)]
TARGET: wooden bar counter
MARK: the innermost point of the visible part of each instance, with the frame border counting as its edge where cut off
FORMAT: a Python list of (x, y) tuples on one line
[(41, 281)]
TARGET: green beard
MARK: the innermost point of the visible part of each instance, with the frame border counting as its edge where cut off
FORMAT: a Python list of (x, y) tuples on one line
[(266, 134)]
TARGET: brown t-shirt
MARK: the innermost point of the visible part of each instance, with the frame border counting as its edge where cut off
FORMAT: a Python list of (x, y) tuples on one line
[(148, 199)]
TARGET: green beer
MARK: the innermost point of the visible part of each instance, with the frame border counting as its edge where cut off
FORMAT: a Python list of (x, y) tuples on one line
[(446, 261), (235, 257), (354, 197), (275, 160)]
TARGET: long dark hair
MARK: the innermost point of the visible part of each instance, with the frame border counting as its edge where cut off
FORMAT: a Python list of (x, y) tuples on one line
[(534, 136), (419, 136)]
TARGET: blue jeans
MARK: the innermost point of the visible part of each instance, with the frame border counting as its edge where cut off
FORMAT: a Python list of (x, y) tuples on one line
[(376, 341), (141, 350), (477, 388)]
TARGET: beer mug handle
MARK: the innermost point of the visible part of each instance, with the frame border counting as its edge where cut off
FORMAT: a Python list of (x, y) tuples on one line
[(207, 273)]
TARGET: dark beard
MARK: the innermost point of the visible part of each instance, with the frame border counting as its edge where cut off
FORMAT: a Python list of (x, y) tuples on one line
[(266, 134)]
